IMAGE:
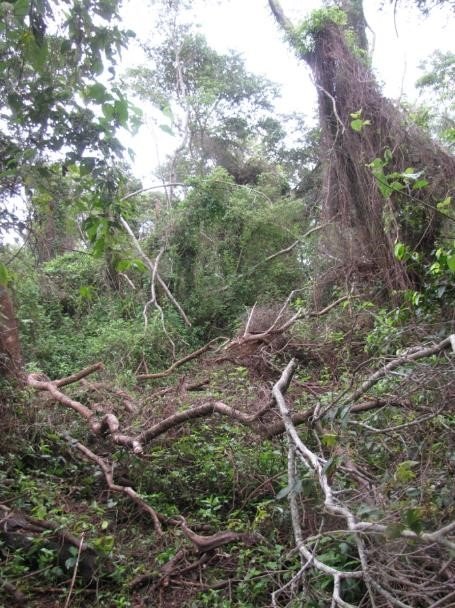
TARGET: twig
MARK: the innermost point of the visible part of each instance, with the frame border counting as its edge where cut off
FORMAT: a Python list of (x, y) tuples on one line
[(151, 267), (411, 355), (178, 363), (73, 578)]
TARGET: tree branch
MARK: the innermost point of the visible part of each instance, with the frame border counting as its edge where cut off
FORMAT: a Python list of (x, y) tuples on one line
[(178, 363)]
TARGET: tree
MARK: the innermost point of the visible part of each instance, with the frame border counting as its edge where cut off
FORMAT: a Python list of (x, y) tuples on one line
[(366, 188), (220, 111), (51, 55), (438, 94)]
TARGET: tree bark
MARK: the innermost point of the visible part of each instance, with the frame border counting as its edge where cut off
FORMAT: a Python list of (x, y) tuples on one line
[(10, 348)]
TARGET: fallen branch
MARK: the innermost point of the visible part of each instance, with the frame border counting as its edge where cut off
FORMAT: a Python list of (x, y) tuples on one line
[(276, 329), (317, 466), (410, 355), (180, 362), (127, 490), (128, 401), (108, 424), (208, 543)]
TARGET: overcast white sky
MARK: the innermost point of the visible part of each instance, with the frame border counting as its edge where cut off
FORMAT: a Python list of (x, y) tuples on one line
[(248, 27)]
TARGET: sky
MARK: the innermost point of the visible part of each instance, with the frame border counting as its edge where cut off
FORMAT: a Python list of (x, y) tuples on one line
[(400, 41)]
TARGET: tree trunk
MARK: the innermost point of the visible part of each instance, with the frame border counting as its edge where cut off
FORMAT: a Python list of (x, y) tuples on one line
[(10, 349), (365, 223)]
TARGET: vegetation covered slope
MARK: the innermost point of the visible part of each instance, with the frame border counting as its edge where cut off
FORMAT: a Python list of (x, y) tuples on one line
[(211, 392)]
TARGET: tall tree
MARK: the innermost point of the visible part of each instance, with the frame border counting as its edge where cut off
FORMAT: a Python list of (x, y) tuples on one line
[(52, 102), (221, 112)]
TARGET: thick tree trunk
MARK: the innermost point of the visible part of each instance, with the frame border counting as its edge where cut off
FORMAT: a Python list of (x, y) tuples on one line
[(10, 349), (50, 236), (366, 223)]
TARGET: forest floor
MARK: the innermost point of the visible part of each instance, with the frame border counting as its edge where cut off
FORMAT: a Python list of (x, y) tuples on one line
[(209, 521)]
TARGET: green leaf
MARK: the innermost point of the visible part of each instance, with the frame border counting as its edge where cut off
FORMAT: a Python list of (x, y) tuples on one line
[(451, 262), (108, 111), (97, 92), (330, 440), (413, 519), (5, 276), (403, 472), (21, 8), (445, 204), (139, 265), (420, 184), (123, 265), (357, 124), (86, 292), (104, 544), (120, 111), (36, 55), (400, 251)]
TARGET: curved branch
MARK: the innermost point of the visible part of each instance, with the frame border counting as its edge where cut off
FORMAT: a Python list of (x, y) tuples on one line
[(127, 490), (282, 20)]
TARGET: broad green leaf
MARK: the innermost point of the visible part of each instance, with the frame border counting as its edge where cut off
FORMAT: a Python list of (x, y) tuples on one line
[(123, 265), (357, 124), (400, 251), (4, 275), (413, 520), (120, 111), (108, 111), (138, 264), (330, 439), (451, 262), (21, 8), (97, 92), (445, 204), (420, 184), (166, 110)]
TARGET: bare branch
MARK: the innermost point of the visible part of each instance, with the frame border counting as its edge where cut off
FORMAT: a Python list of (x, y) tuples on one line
[(280, 17), (412, 354), (73, 578), (151, 267), (109, 476), (207, 543), (180, 362), (79, 375)]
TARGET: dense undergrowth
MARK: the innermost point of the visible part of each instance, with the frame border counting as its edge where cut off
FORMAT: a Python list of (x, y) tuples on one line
[(216, 473)]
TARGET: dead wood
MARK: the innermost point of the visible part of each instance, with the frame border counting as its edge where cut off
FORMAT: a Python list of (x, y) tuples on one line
[(16, 595), (127, 490), (178, 363), (20, 531), (98, 387), (203, 544)]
